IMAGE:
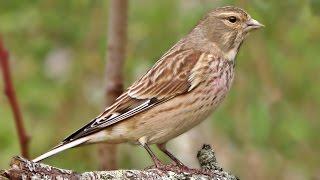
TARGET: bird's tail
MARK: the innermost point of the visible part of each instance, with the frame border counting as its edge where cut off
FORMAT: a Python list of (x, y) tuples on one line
[(61, 147)]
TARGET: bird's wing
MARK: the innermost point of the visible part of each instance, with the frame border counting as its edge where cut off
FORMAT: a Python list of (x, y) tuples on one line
[(176, 73), (171, 76)]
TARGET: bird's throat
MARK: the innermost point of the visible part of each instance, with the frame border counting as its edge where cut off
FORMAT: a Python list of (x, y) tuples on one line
[(231, 54)]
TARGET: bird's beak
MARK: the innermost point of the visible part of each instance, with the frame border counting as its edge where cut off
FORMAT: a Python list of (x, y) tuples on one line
[(253, 24)]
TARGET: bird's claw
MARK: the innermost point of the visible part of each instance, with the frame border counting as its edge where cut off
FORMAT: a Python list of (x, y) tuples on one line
[(179, 168)]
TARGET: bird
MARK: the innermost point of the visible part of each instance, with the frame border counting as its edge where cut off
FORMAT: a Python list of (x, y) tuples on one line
[(178, 92)]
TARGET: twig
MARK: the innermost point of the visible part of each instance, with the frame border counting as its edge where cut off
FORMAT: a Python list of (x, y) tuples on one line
[(24, 169), (11, 95), (117, 39)]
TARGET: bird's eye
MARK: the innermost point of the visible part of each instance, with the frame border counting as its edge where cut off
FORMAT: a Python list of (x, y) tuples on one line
[(232, 19)]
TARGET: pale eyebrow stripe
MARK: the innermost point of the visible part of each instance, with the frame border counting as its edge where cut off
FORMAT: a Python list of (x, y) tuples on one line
[(229, 14)]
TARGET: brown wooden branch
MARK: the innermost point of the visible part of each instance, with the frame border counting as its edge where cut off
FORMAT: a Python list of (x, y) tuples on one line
[(24, 169), (117, 39), (11, 95)]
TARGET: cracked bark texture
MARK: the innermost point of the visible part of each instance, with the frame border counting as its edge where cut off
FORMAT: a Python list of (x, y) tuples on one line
[(24, 169)]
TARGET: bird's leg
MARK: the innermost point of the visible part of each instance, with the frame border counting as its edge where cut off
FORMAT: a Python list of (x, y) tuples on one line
[(143, 142), (179, 164), (154, 158), (163, 148)]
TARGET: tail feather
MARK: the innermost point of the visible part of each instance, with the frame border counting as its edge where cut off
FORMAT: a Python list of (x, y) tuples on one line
[(61, 147)]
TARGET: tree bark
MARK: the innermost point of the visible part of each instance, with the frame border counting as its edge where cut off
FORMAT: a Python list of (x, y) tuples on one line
[(24, 169), (11, 95), (117, 38)]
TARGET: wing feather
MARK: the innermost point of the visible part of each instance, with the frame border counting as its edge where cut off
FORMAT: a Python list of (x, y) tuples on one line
[(169, 77)]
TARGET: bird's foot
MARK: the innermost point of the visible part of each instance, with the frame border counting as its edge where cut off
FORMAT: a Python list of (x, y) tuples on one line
[(163, 167), (179, 168)]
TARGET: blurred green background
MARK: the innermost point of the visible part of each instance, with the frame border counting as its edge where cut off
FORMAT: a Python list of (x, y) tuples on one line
[(267, 128)]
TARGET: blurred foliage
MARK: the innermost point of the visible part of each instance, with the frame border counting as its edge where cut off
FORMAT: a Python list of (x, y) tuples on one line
[(270, 119)]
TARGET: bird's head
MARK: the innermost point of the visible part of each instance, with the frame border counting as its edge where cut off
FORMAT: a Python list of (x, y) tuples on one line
[(227, 27)]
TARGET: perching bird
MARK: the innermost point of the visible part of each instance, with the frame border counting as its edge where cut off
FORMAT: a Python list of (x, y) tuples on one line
[(184, 86)]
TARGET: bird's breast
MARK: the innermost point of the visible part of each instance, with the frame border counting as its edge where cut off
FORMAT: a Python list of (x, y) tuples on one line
[(220, 76)]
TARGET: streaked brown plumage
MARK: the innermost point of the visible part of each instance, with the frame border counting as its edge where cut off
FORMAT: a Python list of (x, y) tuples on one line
[(184, 86)]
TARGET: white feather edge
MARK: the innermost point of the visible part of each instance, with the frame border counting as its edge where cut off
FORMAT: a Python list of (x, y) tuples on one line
[(61, 148), (127, 114)]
